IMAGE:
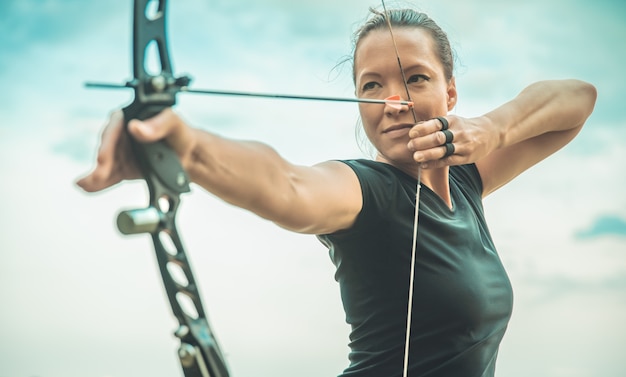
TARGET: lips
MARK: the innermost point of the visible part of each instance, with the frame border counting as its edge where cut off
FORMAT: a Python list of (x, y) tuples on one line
[(397, 127)]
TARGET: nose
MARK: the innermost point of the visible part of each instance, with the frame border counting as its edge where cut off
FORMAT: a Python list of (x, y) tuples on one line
[(393, 108)]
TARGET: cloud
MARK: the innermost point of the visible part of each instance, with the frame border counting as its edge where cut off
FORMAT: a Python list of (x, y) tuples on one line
[(78, 146), (66, 257), (606, 225), (23, 23)]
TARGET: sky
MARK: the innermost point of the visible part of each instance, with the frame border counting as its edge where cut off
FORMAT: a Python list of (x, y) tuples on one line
[(78, 299)]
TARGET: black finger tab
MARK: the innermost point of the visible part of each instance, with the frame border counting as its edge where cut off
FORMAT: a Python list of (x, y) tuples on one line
[(444, 123)]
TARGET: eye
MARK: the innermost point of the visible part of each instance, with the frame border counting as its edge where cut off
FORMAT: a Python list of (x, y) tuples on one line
[(417, 79), (369, 86)]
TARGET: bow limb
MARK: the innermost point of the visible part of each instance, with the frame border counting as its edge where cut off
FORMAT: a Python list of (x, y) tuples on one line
[(409, 314), (199, 352)]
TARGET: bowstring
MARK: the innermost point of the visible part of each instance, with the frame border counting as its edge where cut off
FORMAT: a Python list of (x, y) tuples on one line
[(409, 314)]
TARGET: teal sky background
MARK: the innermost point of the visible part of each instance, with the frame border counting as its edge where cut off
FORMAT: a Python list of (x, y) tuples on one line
[(80, 300)]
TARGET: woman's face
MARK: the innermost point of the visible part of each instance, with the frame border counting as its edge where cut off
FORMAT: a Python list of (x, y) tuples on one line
[(377, 75)]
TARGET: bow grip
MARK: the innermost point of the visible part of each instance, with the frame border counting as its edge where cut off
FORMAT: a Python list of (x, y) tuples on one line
[(156, 160)]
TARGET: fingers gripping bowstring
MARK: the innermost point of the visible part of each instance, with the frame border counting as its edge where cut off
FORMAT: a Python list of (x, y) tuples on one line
[(409, 314)]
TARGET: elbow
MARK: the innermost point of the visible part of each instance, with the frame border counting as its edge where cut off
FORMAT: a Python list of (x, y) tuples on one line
[(593, 95), (587, 95)]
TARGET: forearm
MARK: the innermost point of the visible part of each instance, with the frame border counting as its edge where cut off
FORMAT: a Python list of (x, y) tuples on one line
[(248, 174), (542, 119), (546, 106)]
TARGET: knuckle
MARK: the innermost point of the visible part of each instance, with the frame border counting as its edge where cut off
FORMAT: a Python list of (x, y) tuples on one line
[(443, 151), (440, 138), (102, 158), (414, 132)]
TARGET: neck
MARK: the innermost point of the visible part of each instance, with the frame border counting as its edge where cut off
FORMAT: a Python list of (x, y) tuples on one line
[(438, 181), (435, 179)]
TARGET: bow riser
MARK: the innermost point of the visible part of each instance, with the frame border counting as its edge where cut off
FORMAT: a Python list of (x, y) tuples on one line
[(199, 352)]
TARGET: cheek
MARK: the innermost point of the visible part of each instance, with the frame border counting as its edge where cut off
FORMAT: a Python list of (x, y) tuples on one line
[(370, 117), (435, 102)]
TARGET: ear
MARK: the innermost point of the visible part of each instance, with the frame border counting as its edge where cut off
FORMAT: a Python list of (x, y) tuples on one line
[(452, 94)]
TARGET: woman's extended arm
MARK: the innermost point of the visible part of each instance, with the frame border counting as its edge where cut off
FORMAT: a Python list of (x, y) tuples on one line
[(320, 199)]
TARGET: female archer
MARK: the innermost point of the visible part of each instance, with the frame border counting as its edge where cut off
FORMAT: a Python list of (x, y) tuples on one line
[(364, 210)]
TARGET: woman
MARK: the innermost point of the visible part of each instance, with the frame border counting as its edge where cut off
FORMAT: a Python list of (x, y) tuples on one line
[(364, 210)]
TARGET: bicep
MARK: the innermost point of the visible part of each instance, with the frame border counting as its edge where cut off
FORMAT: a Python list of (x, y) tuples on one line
[(323, 199), (503, 165)]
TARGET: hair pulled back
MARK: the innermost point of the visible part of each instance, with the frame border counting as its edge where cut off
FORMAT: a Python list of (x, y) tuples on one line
[(408, 18)]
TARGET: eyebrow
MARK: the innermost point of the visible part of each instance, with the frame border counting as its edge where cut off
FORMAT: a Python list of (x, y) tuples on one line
[(407, 68), (416, 66)]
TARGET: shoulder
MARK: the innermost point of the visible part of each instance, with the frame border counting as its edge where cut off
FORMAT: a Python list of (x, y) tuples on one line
[(375, 171), (379, 180), (385, 191), (468, 176)]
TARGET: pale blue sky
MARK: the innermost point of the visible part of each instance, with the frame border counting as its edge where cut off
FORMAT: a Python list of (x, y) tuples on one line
[(80, 300)]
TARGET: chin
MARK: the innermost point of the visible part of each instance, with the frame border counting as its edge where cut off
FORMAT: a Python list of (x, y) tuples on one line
[(396, 159)]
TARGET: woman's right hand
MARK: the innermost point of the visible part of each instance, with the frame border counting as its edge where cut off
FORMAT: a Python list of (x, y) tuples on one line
[(115, 161)]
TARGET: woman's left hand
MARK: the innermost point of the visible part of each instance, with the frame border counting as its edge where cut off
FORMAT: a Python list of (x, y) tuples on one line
[(453, 140)]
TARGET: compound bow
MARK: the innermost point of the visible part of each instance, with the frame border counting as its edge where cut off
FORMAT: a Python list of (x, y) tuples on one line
[(199, 351)]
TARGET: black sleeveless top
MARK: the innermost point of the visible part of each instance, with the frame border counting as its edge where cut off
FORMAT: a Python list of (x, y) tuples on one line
[(462, 296)]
